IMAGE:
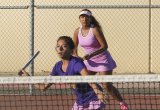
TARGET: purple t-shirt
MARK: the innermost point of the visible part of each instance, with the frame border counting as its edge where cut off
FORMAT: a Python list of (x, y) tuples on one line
[(74, 68), (83, 91)]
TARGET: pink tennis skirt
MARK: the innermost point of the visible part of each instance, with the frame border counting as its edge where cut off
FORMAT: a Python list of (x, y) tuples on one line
[(101, 62), (93, 105)]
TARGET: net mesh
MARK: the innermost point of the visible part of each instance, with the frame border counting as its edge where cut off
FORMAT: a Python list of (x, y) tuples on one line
[(19, 93)]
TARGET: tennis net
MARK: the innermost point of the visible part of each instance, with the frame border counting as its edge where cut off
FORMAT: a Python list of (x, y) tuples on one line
[(140, 92)]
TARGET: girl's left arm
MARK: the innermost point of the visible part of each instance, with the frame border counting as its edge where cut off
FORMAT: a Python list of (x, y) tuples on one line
[(100, 37), (100, 94)]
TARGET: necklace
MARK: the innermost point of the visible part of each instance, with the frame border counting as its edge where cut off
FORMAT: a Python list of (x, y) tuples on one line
[(84, 33)]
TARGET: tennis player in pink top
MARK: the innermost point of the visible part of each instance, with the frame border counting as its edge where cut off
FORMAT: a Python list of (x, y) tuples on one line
[(97, 59)]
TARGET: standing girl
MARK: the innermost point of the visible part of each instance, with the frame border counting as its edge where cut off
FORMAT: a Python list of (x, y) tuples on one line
[(97, 59)]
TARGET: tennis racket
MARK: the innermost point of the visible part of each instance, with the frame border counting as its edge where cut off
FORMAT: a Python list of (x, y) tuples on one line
[(28, 63)]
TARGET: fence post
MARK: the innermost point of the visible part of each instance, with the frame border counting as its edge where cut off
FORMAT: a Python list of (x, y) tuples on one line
[(150, 45), (31, 41), (31, 37)]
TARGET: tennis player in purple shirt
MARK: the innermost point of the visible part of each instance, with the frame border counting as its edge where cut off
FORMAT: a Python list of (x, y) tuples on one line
[(89, 95), (86, 97)]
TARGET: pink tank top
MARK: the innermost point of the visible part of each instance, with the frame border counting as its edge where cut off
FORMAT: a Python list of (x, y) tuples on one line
[(89, 42)]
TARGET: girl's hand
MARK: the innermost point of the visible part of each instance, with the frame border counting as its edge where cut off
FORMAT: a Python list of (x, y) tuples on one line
[(26, 73), (20, 73), (102, 97), (23, 72), (39, 86), (73, 85), (86, 57)]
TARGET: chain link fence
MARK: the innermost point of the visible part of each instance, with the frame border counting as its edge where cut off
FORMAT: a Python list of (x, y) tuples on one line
[(131, 28)]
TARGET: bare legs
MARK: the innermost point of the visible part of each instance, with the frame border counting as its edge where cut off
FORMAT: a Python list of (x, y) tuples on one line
[(113, 91), (109, 86)]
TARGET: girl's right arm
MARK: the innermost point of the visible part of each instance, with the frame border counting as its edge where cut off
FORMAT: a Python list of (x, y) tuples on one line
[(42, 87), (76, 42)]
